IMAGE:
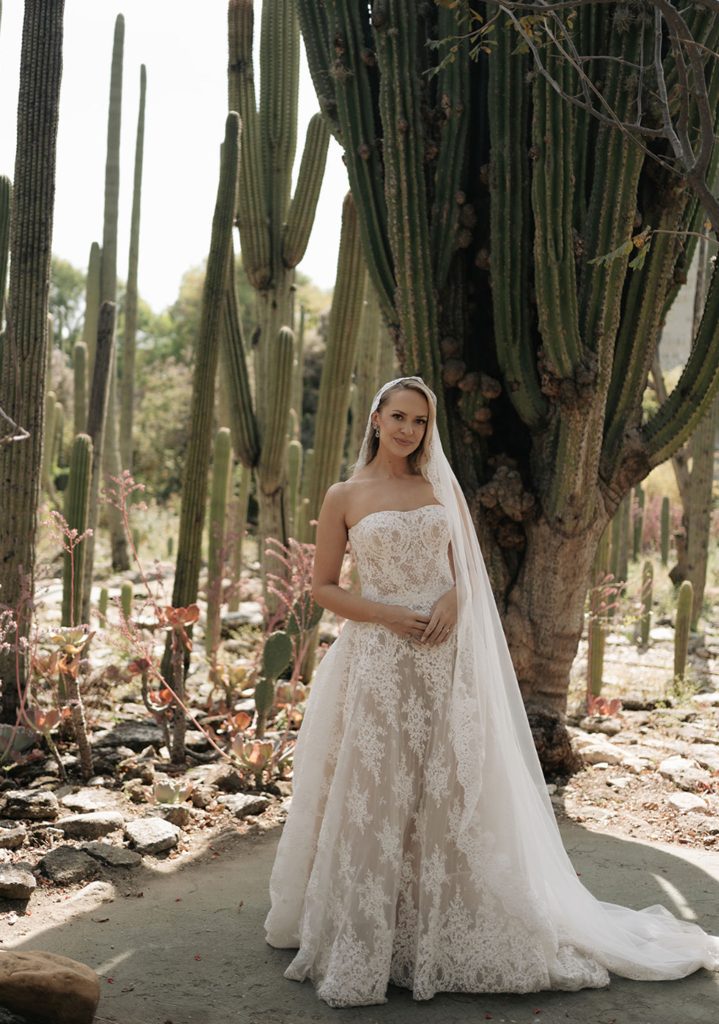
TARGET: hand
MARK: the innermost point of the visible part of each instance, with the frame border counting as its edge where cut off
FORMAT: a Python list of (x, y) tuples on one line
[(403, 621), (442, 619)]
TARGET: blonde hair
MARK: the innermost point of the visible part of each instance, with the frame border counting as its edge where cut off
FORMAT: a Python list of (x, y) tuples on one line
[(419, 457)]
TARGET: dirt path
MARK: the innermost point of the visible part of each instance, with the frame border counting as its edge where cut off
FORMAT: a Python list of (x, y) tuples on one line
[(183, 944)]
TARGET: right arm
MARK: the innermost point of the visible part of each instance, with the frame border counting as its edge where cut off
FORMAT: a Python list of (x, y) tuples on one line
[(329, 554)]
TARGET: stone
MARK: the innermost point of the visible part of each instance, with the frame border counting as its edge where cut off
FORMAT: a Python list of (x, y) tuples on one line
[(31, 805), (85, 801), (152, 835), (601, 723), (684, 802), (203, 796), (91, 826), (48, 987), (683, 773), (243, 804), (135, 735), (178, 814), (114, 856), (225, 778), (12, 835), (65, 865), (705, 698), (636, 765), (16, 883), (619, 781), (596, 750)]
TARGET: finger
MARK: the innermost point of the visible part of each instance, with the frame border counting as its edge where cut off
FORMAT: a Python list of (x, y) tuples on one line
[(430, 627)]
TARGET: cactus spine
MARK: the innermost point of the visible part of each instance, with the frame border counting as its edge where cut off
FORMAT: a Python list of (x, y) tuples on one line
[(665, 525), (647, 600), (77, 507), (79, 369), (682, 627), (128, 350), (221, 464), (194, 491)]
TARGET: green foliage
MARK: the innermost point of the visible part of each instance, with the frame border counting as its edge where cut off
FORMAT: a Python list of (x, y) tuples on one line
[(66, 304)]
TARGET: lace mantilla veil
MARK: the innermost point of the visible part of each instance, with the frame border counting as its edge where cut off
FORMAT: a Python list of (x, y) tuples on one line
[(507, 829)]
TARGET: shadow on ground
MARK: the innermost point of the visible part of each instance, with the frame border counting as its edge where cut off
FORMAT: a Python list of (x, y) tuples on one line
[(191, 950)]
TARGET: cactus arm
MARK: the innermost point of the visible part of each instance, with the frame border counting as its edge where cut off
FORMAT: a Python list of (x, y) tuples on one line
[(216, 553), (279, 91), (405, 190), (339, 360), (243, 422), (676, 418), (108, 278), (273, 440), (251, 191), (315, 34), (507, 96), (304, 204), (453, 87), (355, 81)]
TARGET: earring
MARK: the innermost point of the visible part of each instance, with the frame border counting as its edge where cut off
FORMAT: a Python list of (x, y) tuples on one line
[(376, 431)]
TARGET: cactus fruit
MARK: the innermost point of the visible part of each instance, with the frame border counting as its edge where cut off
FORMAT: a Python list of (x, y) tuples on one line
[(647, 599), (665, 525), (77, 507), (682, 626), (221, 464)]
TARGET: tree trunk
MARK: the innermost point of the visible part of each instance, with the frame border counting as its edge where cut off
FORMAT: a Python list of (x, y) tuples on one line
[(24, 352)]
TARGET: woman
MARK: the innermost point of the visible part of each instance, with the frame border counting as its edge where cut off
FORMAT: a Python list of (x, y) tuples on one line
[(421, 847)]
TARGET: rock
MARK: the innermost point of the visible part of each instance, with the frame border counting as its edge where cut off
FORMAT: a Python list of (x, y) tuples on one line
[(152, 835), (635, 764), (48, 987), (684, 802), (202, 796), (7, 1017), (12, 835), (250, 614), (85, 801), (225, 778), (177, 814), (601, 723), (115, 856), (135, 791), (596, 750), (31, 805), (135, 735), (91, 826), (141, 768), (619, 781), (705, 698), (16, 883), (242, 804), (65, 865), (683, 773)]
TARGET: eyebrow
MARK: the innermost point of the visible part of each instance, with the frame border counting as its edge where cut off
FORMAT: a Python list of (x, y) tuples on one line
[(422, 415)]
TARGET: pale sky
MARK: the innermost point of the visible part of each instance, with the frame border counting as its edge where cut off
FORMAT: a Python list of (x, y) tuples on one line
[(183, 43)]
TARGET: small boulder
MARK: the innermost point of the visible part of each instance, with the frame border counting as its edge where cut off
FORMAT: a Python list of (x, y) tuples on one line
[(12, 835), (178, 814), (152, 835), (31, 805), (225, 778), (684, 802), (596, 750), (48, 987), (243, 804), (114, 856), (202, 796), (65, 865), (683, 773), (135, 735), (16, 883), (92, 825), (606, 724), (85, 801)]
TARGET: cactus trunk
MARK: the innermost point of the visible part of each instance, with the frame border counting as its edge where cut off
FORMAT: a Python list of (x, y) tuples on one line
[(77, 508), (217, 550)]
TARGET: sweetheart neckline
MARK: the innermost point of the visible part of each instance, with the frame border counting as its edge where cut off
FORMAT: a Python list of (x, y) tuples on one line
[(398, 511)]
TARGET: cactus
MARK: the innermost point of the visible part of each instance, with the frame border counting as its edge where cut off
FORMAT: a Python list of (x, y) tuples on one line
[(194, 490), (638, 526), (276, 656), (92, 305), (48, 447), (645, 622), (339, 360), (221, 463), (665, 526), (126, 595), (294, 476), (102, 604), (372, 336), (77, 507), (79, 369), (128, 348), (59, 438), (239, 523), (700, 505), (682, 627), (274, 230), (5, 211)]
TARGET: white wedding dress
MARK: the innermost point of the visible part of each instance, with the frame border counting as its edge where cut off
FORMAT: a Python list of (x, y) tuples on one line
[(392, 869)]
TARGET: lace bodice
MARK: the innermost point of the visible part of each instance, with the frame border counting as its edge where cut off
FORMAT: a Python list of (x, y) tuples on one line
[(402, 556)]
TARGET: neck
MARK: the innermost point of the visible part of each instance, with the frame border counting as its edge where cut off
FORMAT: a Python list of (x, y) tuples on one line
[(390, 467)]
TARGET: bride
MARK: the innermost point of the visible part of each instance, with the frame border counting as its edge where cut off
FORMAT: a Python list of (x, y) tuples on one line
[(421, 847)]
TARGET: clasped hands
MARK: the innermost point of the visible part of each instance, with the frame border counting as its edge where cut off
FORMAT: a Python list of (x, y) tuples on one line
[(430, 629)]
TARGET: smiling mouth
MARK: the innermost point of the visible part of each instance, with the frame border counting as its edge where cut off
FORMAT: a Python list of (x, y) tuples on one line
[(404, 443)]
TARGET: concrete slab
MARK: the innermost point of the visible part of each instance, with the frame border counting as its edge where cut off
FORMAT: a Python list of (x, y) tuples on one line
[(190, 949)]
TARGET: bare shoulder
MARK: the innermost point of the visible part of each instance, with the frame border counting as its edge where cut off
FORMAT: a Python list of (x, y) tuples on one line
[(335, 500)]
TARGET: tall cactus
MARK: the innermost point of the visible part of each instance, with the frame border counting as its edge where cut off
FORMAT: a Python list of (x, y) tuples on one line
[(24, 350), (79, 369), (682, 627), (48, 447), (5, 212), (638, 524), (274, 230), (194, 489), (92, 304), (221, 465), (128, 348), (497, 223), (77, 508), (665, 524), (646, 599)]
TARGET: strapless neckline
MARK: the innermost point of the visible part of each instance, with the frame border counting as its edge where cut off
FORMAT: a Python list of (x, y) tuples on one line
[(393, 511)]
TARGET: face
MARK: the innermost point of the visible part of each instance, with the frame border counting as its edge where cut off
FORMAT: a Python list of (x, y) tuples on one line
[(402, 420)]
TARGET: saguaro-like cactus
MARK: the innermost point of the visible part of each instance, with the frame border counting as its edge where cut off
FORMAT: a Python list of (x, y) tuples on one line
[(24, 350), (498, 222), (5, 208), (274, 230), (682, 627), (194, 488), (79, 369), (92, 304), (216, 548), (664, 527), (128, 348), (77, 508), (647, 600)]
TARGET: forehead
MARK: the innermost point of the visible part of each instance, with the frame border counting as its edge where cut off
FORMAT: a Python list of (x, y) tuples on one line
[(407, 400)]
